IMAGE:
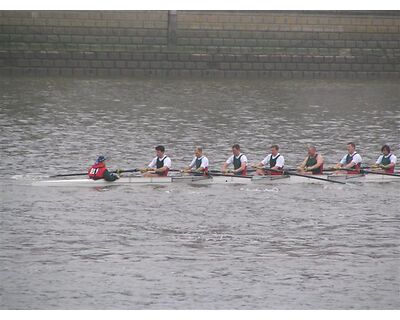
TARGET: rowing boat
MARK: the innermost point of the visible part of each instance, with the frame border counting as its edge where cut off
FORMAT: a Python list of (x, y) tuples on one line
[(285, 179)]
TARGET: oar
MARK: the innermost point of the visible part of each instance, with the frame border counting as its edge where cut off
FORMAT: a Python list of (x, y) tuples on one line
[(123, 171), (68, 175), (221, 174), (313, 177), (305, 176), (339, 169), (381, 173), (84, 174), (219, 171)]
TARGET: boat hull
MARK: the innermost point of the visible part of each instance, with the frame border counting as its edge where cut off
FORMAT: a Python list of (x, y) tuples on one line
[(135, 180), (201, 180), (86, 182)]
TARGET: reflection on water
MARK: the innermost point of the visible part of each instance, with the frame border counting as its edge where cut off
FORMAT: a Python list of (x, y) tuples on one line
[(213, 247)]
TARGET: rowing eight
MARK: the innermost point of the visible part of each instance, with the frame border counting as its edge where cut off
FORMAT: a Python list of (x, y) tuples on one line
[(285, 179)]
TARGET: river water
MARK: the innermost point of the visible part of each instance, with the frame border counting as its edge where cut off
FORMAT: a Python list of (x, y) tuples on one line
[(186, 247)]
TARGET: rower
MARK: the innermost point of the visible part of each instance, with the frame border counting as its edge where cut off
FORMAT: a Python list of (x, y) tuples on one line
[(99, 170), (313, 163), (160, 165), (352, 160), (386, 161), (273, 161), (239, 161), (199, 163)]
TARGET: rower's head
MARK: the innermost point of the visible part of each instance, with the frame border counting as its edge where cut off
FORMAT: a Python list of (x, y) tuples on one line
[(236, 150), (198, 152), (312, 151), (351, 147), (385, 149), (101, 159), (274, 149), (160, 151)]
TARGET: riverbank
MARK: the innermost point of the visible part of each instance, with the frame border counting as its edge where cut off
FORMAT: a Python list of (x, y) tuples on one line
[(214, 44)]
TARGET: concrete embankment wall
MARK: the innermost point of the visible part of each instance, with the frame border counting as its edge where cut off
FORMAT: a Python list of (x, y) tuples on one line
[(288, 44)]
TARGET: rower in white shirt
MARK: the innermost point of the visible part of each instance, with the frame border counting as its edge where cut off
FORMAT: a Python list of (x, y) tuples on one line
[(160, 165), (352, 160), (386, 161), (199, 163), (239, 161), (273, 161)]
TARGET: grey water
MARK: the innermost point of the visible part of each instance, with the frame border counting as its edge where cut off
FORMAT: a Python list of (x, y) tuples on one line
[(189, 247)]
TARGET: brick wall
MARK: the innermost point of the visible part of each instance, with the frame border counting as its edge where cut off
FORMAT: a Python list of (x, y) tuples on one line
[(201, 43)]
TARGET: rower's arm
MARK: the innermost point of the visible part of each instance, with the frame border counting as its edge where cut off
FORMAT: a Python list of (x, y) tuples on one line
[(162, 169), (224, 167), (349, 165), (388, 166), (338, 165), (192, 164), (280, 163), (108, 176), (151, 166), (341, 163), (259, 165), (319, 163), (303, 164), (242, 167)]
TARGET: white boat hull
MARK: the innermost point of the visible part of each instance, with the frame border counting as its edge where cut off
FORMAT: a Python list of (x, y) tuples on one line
[(291, 179), (135, 180), (363, 178), (86, 182)]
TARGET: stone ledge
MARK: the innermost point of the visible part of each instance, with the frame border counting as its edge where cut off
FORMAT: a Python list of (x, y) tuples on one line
[(207, 73)]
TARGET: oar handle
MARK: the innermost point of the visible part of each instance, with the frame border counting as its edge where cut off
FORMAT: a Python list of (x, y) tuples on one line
[(69, 175), (339, 169), (84, 174), (221, 174), (219, 171), (124, 171)]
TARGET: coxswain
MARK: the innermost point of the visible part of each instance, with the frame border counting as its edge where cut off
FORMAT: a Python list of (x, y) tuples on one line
[(386, 161), (351, 161), (99, 171), (313, 163), (239, 161), (199, 163), (272, 164), (160, 165)]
